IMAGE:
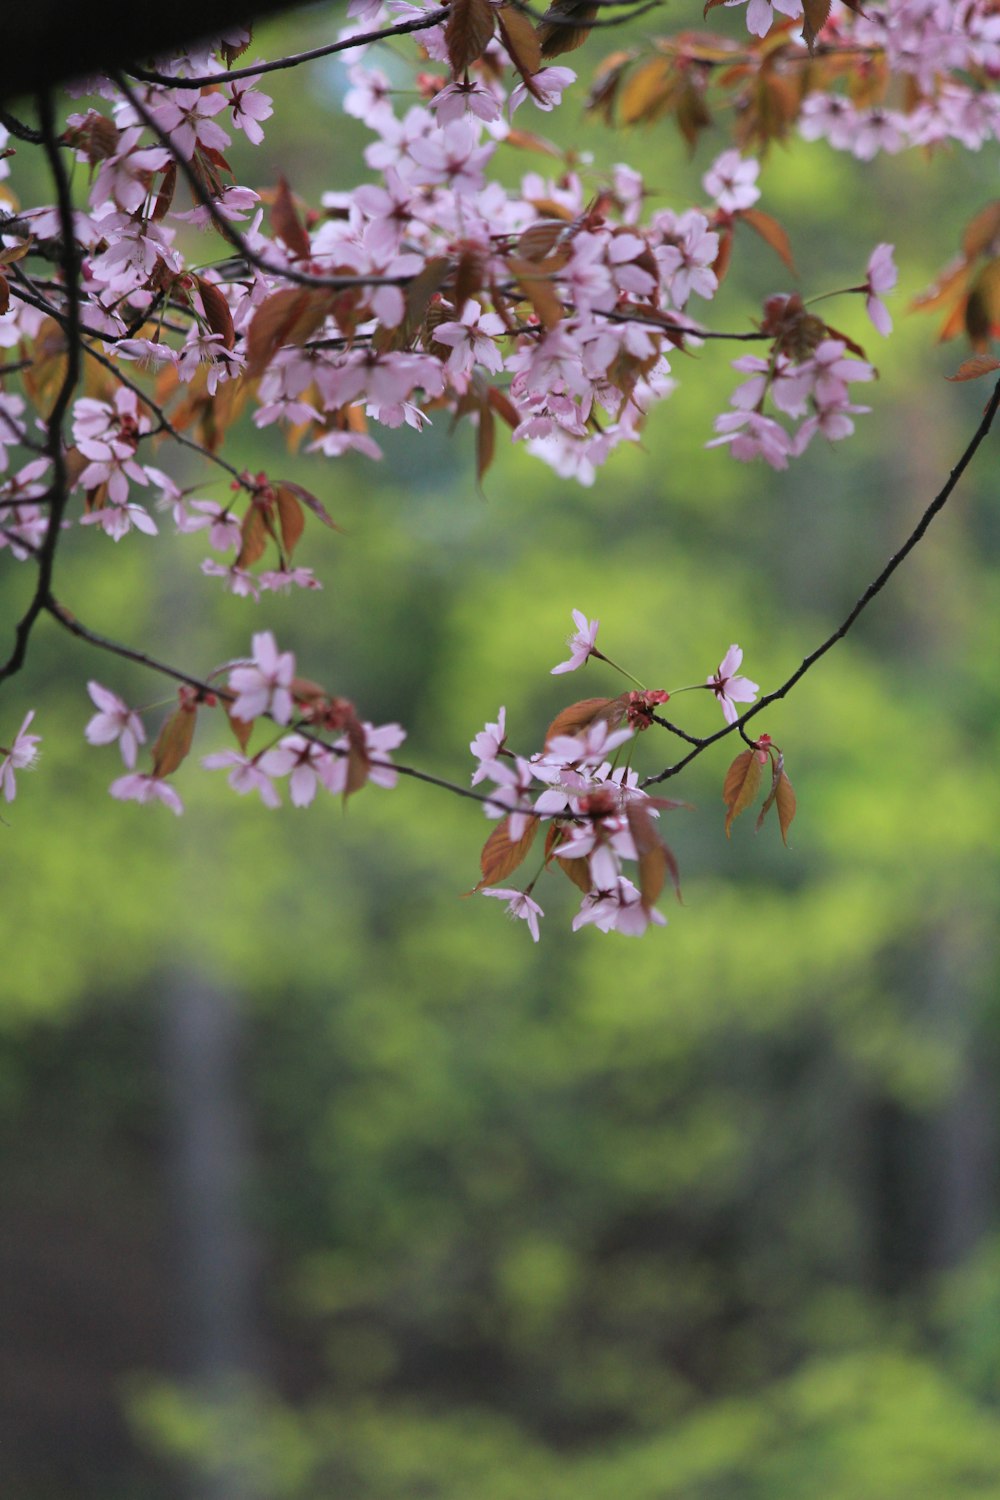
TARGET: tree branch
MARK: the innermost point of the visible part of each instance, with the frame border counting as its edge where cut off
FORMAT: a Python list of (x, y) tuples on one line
[(872, 591)]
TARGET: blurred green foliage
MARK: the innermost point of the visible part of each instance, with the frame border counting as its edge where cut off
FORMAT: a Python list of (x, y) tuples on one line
[(707, 1217)]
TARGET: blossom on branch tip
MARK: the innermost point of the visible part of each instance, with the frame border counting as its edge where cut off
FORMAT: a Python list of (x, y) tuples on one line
[(115, 721), (730, 689), (581, 644)]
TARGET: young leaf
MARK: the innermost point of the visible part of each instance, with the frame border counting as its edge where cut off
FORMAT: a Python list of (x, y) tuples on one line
[(521, 41), (286, 223), (468, 32), (771, 232), (582, 714), (576, 870), (174, 741), (217, 314), (741, 785), (287, 317), (972, 369), (815, 14), (565, 26), (290, 518), (786, 806), (485, 442), (311, 503), (500, 857), (253, 534)]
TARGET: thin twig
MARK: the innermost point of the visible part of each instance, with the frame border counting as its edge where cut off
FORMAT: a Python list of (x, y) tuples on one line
[(386, 33), (874, 588)]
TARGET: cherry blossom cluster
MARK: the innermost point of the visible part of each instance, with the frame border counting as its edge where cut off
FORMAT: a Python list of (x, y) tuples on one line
[(263, 688), (598, 815)]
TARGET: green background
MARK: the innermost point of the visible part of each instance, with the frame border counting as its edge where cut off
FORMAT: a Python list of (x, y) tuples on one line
[(321, 1181)]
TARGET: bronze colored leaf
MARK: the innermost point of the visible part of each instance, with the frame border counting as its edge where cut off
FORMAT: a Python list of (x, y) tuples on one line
[(286, 223), (982, 311), (242, 729), (4, 294), (310, 501), (217, 314), (501, 857), (815, 14), (648, 92), (741, 785), (254, 533), (982, 232), (485, 442), (503, 406), (786, 806), (972, 369), (565, 26), (290, 518), (771, 232), (468, 32), (539, 239), (174, 741), (538, 288), (580, 715), (521, 40), (287, 317), (165, 196)]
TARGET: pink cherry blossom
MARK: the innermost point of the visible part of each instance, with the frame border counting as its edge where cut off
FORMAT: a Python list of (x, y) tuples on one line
[(115, 721), (246, 774), (519, 905), (581, 644), (731, 180), (264, 686), (22, 756), (307, 764), (487, 746), (882, 277), (138, 787), (730, 689)]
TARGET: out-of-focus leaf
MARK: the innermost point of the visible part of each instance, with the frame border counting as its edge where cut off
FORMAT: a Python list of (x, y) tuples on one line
[(468, 32), (500, 856), (741, 785)]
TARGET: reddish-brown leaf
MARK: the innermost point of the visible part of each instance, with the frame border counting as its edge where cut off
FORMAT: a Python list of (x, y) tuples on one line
[(815, 14), (648, 93), (786, 806), (254, 534), (286, 223), (537, 286), (579, 715), (540, 238), (982, 311), (4, 294), (242, 729), (565, 26), (217, 313), (577, 870), (982, 232), (741, 785), (165, 196), (501, 857), (174, 741), (230, 51), (468, 32), (972, 369), (771, 232), (485, 442), (287, 317), (521, 40), (311, 503), (503, 406), (290, 518)]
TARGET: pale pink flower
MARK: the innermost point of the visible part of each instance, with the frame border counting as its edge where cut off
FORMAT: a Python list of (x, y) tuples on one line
[(730, 689), (115, 721), (264, 686), (882, 277), (21, 756), (731, 181), (619, 909), (487, 746), (581, 644), (547, 88), (588, 747), (471, 339), (246, 775), (519, 904), (248, 108), (138, 787), (306, 763)]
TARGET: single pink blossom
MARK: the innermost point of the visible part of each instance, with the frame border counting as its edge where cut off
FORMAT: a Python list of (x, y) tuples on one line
[(264, 686), (730, 689), (246, 774), (487, 746), (581, 644), (882, 277), (138, 787), (21, 756), (116, 721), (519, 904)]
